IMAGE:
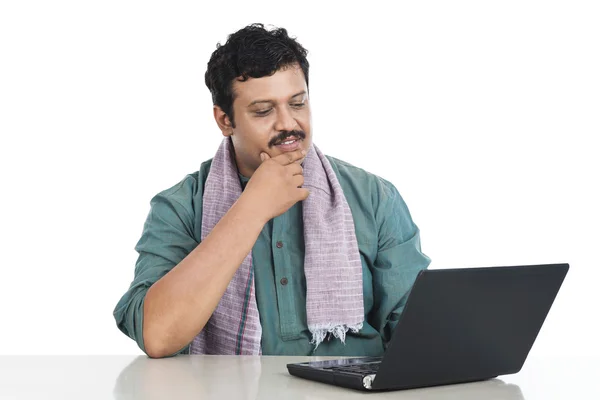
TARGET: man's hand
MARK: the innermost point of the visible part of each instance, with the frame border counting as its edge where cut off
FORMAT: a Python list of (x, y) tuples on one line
[(276, 184)]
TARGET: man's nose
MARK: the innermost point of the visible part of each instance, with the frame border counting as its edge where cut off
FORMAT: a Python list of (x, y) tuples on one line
[(285, 121)]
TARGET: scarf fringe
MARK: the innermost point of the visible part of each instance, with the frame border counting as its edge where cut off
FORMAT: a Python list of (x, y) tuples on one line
[(320, 332)]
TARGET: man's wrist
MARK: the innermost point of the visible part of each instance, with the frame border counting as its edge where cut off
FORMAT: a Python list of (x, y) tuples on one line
[(251, 210)]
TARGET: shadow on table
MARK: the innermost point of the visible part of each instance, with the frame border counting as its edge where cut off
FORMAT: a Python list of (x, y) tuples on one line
[(189, 377), (225, 377)]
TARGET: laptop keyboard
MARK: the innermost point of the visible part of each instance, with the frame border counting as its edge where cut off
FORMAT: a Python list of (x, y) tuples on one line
[(361, 369)]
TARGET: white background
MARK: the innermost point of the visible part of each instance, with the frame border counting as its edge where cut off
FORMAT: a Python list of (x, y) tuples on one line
[(485, 115)]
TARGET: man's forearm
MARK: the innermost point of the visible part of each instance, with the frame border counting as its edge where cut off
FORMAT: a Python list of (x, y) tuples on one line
[(177, 307)]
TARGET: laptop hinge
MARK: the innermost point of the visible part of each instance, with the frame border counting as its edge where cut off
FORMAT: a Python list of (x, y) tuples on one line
[(368, 381)]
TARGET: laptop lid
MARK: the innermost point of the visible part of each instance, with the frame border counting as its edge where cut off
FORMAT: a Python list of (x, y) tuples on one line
[(469, 324)]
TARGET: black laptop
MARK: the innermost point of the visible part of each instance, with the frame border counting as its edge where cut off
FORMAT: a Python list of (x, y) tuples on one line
[(458, 325)]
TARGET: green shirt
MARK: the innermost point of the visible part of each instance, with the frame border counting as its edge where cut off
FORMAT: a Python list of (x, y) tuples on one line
[(388, 243)]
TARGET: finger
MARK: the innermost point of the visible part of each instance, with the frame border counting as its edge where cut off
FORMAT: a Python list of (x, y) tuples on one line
[(264, 156), (298, 180), (290, 157), (295, 169), (303, 193)]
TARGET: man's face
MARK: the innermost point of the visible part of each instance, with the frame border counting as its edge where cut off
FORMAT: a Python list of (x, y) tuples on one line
[(269, 112)]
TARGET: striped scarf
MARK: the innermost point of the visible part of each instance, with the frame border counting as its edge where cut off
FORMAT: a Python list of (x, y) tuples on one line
[(332, 266)]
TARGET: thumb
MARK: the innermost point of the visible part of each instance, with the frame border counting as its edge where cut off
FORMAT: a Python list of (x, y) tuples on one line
[(264, 156)]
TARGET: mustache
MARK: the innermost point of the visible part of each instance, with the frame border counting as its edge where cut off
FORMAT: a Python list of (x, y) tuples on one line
[(286, 134)]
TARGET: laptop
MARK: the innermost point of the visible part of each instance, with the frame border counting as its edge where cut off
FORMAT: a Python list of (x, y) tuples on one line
[(458, 325)]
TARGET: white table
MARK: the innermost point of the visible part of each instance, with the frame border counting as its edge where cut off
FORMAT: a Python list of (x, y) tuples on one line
[(225, 377)]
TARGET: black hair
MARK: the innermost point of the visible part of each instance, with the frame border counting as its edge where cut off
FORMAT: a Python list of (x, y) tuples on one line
[(251, 52)]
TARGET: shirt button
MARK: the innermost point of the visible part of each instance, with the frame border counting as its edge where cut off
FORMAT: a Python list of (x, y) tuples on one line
[(279, 244), (284, 281)]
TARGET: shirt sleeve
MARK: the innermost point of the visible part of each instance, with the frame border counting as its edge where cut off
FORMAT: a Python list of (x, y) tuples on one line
[(398, 262), (167, 238)]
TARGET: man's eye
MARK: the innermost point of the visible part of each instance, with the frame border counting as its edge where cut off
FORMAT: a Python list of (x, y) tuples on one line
[(262, 113), (298, 105)]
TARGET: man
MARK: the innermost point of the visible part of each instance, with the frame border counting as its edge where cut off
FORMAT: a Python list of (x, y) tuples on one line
[(271, 247)]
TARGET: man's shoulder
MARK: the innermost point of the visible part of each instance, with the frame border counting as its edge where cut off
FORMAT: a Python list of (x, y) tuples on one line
[(187, 189), (359, 181)]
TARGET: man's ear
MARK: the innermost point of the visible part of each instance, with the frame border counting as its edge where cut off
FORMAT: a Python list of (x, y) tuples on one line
[(223, 121)]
